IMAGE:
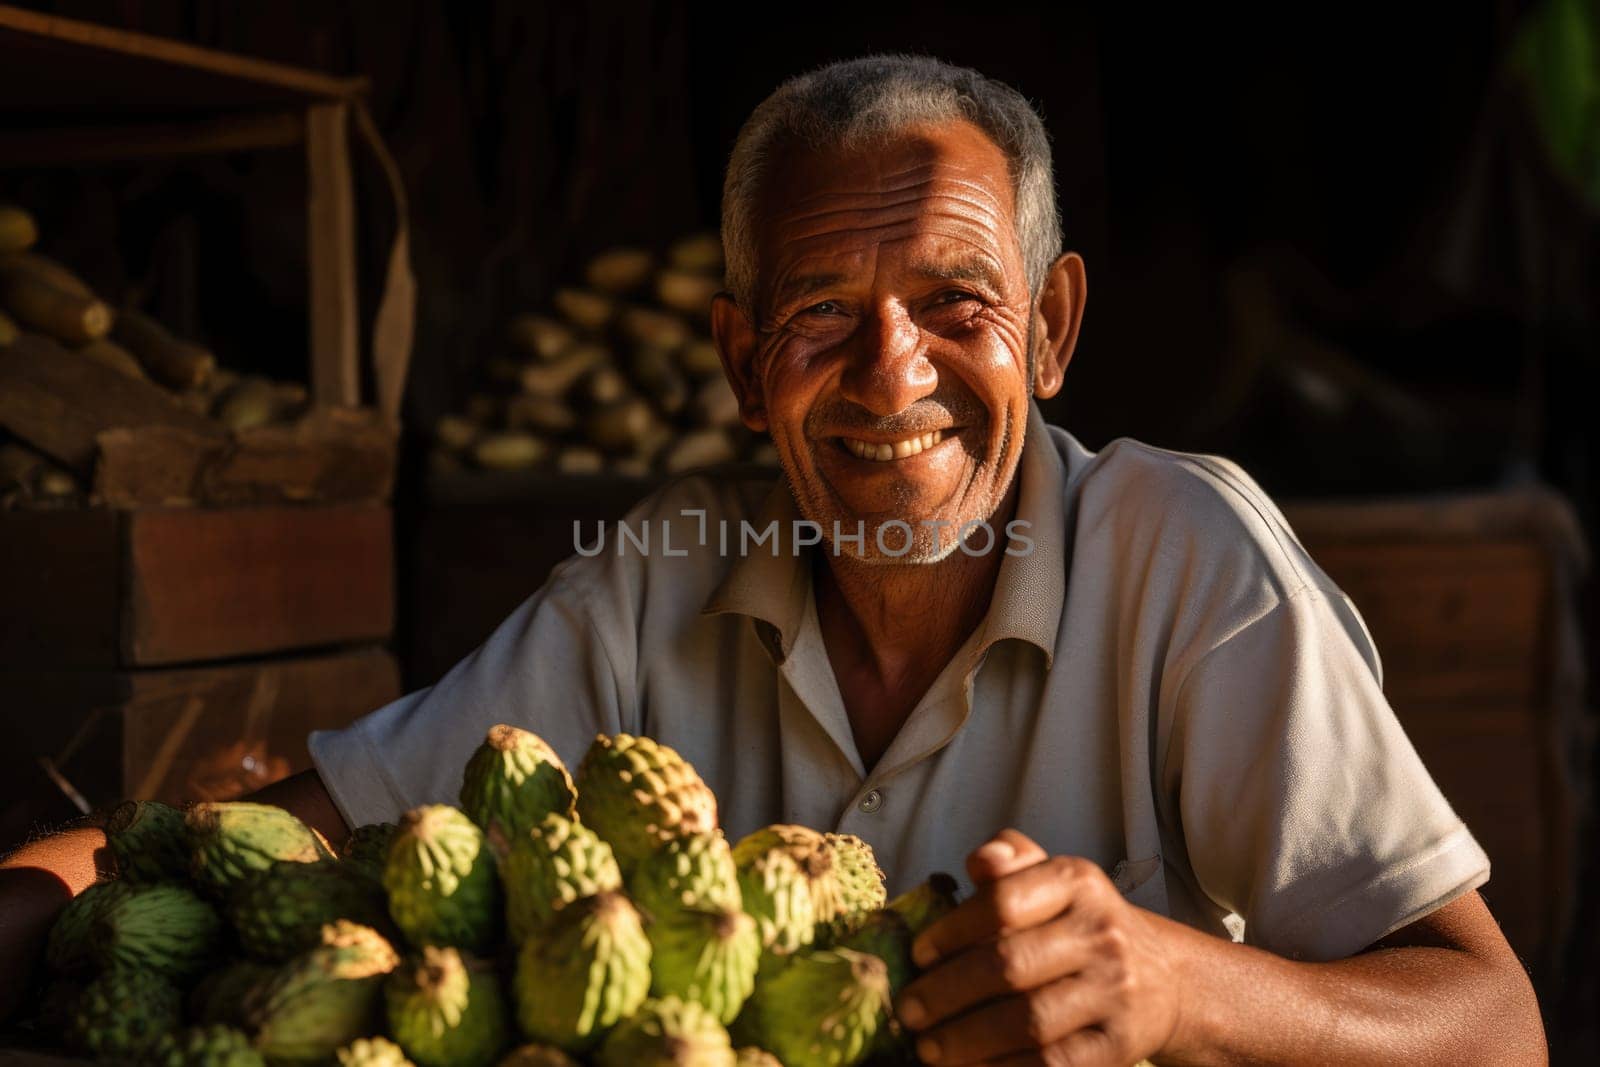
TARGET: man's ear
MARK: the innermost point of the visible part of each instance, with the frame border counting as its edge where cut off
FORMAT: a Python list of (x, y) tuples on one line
[(736, 343), (1056, 320)]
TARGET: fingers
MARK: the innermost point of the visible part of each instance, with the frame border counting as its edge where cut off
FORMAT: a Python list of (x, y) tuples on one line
[(1022, 960), (1033, 1020), (1005, 853), (1027, 898), (1089, 1047)]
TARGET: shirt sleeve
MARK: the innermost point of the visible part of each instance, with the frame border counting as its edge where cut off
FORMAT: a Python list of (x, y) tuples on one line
[(548, 668), (1304, 807)]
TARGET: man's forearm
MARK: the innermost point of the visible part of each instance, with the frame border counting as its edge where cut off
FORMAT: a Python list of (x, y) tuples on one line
[(1413, 1004), (35, 882)]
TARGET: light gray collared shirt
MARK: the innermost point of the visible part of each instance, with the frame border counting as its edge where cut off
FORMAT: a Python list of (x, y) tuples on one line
[(1165, 684)]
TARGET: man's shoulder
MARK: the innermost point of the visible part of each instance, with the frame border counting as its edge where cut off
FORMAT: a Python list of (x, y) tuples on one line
[(1202, 507)]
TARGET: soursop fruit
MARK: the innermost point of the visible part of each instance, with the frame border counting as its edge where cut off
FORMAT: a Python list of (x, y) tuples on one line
[(70, 948), (219, 997), (372, 1052), (923, 905), (750, 1056), (281, 912), (886, 935), (696, 871), (707, 958), (778, 867), (668, 1032), (366, 850), (513, 781), (552, 865), (445, 1009), (149, 840), (232, 841), (861, 886), (123, 1013), (206, 1046), (442, 883), (536, 1055), (638, 795), (322, 999), (586, 971), (822, 1008), (161, 928)]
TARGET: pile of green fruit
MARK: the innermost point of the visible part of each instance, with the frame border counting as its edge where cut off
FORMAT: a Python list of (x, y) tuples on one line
[(541, 922)]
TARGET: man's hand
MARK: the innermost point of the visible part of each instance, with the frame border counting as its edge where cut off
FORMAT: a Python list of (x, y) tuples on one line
[(1047, 963)]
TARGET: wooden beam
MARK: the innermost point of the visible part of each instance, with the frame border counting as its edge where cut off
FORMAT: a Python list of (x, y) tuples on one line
[(176, 53), (32, 148), (335, 349)]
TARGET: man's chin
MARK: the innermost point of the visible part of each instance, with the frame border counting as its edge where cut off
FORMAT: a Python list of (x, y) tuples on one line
[(892, 542)]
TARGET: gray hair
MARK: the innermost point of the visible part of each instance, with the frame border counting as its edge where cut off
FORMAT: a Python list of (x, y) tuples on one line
[(870, 100)]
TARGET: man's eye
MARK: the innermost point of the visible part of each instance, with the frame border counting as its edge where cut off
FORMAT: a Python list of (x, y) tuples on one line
[(956, 296), (827, 307)]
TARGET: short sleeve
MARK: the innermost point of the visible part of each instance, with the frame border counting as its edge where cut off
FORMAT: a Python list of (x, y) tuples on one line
[(1305, 809), (548, 668)]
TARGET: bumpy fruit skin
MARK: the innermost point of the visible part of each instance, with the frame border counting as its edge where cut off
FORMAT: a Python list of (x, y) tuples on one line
[(206, 1046), (219, 997), (537, 1055), (696, 871), (823, 1008), (923, 905), (281, 912), (446, 1010), (586, 971), (638, 795), (322, 999), (70, 949), (552, 865), (777, 866), (162, 928), (150, 841), (750, 1056), (373, 1052), (668, 1033), (442, 883), (708, 958), (366, 850), (513, 781), (122, 1014), (232, 841), (861, 886), (886, 935)]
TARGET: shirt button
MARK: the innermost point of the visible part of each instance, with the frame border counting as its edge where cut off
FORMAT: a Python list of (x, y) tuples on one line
[(871, 802)]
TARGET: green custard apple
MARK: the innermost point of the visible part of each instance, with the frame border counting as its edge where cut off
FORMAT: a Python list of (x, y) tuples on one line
[(638, 795), (545, 869), (281, 912), (668, 1032), (372, 1052), (513, 781), (149, 840), (589, 969), (70, 948), (442, 883), (695, 871), (206, 1046), (861, 885), (822, 1008), (162, 928), (122, 1013), (707, 958), (446, 1009), (366, 850), (324, 998), (233, 841)]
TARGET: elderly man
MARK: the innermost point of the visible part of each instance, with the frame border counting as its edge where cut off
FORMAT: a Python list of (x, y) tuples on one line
[(1111, 688)]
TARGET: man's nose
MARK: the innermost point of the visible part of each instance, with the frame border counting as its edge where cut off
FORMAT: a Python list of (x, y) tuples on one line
[(889, 368)]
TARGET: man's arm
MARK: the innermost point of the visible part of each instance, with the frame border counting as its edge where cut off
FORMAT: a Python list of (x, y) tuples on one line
[(1049, 964), (38, 879)]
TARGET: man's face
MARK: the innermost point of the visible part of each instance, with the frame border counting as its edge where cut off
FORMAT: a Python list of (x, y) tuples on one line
[(890, 357)]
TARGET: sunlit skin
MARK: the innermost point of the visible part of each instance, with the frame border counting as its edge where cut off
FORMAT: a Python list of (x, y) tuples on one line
[(892, 302)]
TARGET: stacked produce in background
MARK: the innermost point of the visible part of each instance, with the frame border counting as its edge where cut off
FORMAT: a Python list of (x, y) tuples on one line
[(602, 917), (619, 375), (42, 298)]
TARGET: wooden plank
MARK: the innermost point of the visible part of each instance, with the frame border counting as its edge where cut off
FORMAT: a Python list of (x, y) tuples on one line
[(335, 350), (59, 147), (61, 573), (206, 584), (59, 400), (93, 37)]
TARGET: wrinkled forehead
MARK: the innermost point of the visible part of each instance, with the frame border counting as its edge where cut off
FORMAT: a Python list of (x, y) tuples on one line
[(939, 187)]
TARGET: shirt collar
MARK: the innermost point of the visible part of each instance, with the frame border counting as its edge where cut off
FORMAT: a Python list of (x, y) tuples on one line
[(770, 582)]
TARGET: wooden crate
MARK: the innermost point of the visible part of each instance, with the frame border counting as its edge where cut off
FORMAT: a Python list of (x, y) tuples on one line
[(210, 732), (100, 589)]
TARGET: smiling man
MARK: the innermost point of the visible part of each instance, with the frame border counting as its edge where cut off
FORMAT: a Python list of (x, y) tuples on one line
[(1110, 689)]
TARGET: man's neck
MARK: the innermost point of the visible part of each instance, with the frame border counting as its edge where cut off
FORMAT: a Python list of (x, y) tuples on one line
[(891, 628)]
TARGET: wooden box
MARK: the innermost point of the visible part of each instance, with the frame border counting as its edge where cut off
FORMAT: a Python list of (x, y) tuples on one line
[(100, 589)]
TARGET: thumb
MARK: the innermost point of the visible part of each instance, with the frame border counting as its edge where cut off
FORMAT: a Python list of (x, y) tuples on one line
[(1004, 854)]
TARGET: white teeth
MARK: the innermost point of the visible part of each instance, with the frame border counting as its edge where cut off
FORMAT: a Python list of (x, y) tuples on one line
[(896, 450)]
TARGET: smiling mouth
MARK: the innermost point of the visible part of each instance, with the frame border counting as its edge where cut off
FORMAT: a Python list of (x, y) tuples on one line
[(882, 452)]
